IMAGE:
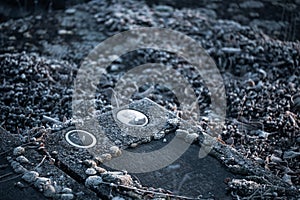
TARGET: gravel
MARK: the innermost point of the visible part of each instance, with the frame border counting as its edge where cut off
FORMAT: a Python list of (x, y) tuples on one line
[(261, 76)]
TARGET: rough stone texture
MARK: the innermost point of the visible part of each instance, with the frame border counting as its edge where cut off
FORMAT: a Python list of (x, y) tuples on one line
[(261, 75), (46, 169)]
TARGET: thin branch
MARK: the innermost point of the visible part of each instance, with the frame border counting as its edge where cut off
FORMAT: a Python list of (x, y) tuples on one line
[(50, 119), (147, 191), (14, 177), (115, 97), (5, 175), (40, 162), (3, 130)]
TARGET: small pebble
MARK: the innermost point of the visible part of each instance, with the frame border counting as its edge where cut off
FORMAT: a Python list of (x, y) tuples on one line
[(115, 151), (78, 194), (67, 196), (67, 190), (106, 156), (230, 141), (9, 158), (259, 160), (20, 169), (19, 184), (116, 177), (23, 76), (14, 164), (133, 145), (90, 163), (190, 138), (93, 181), (30, 176), (174, 121), (114, 68), (163, 11), (70, 11), (18, 151), (159, 135), (41, 182), (22, 159), (49, 190), (99, 159), (100, 170), (287, 178), (64, 32), (181, 133), (90, 171), (12, 38)]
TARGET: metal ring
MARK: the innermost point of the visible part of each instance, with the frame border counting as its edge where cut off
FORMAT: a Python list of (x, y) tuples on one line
[(132, 117), (93, 142)]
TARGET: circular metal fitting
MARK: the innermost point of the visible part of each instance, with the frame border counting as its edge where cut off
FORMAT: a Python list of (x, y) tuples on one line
[(132, 117), (80, 139)]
